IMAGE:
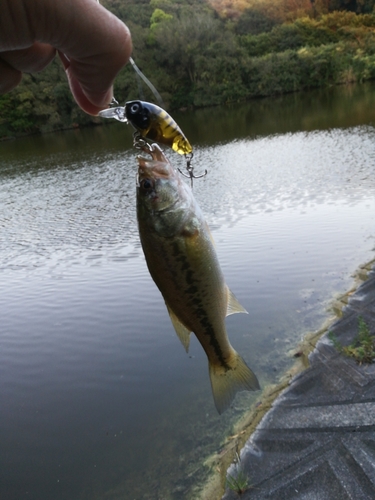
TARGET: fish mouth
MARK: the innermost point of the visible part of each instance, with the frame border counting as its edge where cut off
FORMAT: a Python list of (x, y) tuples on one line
[(157, 154), (156, 167), (153, 170)]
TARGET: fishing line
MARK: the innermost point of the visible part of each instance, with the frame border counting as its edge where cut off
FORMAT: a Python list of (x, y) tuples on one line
[(139, 73), (147, 82), (139, 84)]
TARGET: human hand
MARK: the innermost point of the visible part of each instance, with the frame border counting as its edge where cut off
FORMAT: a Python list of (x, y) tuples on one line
[(92, 43)]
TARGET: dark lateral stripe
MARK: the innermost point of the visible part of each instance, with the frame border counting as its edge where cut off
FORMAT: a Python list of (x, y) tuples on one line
[(197, 305), (208, 330)]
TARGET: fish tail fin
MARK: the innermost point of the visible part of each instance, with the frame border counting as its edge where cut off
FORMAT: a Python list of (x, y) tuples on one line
[(226, 382)]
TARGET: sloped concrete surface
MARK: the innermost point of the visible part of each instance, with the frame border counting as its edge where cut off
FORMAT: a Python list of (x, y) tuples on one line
[(318, 440)]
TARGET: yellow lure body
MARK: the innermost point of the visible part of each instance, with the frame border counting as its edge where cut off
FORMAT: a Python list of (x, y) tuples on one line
[(153, 123)]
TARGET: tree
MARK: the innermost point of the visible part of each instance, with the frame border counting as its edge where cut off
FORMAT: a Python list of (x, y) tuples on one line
[(253, 22)]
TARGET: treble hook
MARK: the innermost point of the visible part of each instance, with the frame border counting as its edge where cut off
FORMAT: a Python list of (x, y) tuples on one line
[(190, 170)]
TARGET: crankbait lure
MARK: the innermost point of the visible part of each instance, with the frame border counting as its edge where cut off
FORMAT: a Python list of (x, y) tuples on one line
[(154, 123), (151, 122)]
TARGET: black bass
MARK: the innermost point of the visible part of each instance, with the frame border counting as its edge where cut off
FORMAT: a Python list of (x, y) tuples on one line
[(156, 124), (182, 261)]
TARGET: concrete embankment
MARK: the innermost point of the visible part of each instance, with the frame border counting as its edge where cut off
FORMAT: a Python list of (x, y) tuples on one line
[(318, 439)]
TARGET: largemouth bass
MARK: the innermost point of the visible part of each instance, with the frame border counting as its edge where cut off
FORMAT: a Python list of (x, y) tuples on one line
[(182, 261)]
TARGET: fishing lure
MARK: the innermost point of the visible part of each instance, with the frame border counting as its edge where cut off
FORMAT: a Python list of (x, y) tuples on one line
[(151, 122), (154, 123)]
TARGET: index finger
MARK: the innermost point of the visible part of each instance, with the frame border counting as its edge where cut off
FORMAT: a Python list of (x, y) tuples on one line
[(95, 41), (100, 47)]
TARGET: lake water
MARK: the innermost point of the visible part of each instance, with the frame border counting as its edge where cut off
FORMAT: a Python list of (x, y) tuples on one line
[(98, 399)]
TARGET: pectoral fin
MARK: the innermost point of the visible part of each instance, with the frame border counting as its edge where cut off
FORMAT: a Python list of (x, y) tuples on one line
[(233, 305), (183, 333)]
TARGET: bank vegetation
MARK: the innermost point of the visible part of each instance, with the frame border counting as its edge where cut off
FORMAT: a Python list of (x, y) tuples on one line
[(208, 52)]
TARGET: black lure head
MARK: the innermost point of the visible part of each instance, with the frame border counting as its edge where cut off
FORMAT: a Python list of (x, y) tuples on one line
[(137, 114)]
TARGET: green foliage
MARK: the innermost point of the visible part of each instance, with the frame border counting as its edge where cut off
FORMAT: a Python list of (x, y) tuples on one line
[(331, 28), (254, 22), (189, 46), (238, 484), (131, 12), (41, 103), (196, 58), (159, 16), (362, 349)]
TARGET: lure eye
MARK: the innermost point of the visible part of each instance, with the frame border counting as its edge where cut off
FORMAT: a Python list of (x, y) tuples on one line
[(134, 108), (147, 184)]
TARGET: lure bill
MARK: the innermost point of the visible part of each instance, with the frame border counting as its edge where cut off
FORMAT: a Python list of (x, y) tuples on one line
[(151, 122)]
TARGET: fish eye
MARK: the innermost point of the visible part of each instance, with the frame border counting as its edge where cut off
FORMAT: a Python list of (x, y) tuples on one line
[(147, 184), (134, 108)]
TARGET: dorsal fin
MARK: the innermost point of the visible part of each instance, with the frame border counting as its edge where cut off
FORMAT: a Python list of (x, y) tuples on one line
[(183, 333), (233, 305)]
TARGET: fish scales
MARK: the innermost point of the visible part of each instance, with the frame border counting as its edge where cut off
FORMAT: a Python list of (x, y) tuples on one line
[(182, 261), (183, 279)]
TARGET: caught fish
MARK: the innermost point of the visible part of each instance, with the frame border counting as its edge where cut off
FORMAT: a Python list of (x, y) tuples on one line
[(157, 125), (182, 261)]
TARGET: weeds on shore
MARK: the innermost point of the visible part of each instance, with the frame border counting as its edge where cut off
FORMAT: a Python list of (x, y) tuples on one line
[(239, 482), (362, 349)]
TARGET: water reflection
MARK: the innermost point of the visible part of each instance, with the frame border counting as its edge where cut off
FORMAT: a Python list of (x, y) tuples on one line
[(98, 398), (322, 109)]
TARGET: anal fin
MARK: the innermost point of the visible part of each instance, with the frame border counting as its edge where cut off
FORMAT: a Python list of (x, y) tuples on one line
[(183, 333)]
